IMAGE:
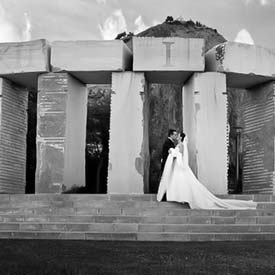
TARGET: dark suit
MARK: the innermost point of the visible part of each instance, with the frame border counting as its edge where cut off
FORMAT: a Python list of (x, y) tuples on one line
[(165, 151)]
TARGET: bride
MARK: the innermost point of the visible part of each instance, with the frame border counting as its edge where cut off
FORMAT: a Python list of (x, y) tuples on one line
[(180, 184)]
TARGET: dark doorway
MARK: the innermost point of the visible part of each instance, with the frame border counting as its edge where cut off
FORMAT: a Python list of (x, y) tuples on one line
[(97, 138), (165, 103), (31, 142)]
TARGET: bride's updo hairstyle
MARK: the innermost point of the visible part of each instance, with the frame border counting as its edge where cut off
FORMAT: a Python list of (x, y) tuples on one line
[(182, 136)]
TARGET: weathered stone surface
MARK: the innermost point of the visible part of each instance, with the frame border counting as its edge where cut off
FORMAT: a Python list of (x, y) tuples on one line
[(258, 139), (90, 61), (126, 153), (205, 123), (61, 128), (245, 65), (13, 131), (158, 57), (21, 62)]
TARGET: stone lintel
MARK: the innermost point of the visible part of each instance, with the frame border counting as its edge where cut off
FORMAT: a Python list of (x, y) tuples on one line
[(244, 65), (91, 61), (168, 59), (22, 62)]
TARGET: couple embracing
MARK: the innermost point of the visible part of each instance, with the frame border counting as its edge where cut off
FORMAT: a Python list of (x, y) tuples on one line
[(180, 184)]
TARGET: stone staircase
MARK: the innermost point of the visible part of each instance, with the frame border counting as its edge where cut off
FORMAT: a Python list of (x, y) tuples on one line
[(131, 217)]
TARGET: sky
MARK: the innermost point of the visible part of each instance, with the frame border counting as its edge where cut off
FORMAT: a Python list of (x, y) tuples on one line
[(246, 21)]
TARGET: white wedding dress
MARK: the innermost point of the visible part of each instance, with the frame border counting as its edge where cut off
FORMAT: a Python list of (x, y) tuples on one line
[(180, 185)]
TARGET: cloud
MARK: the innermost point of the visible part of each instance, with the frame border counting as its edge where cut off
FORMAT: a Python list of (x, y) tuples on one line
[(140, 26), (8, 32), (244, 36), (26, 34), (101, 1), (261, 2), (113, 25)]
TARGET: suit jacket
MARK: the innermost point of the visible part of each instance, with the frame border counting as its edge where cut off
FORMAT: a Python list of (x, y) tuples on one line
[(165, 148)]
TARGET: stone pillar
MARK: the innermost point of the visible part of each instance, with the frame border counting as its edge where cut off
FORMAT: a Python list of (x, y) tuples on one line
[(258, 139), (61, 133), (129, 150), (205, 123), (13, 131)]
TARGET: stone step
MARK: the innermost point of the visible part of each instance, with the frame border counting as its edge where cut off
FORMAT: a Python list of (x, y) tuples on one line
[(236, 217), (117, 197), (263, 210), (178, 237), (136, 227)]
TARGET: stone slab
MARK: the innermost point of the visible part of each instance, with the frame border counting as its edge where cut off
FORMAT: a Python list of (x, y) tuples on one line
[(168, 59), (90, 61), (21, 62), (205, 124), (245, 65)]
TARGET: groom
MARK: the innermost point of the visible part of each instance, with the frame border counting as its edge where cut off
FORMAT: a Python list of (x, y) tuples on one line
[(170, 142)]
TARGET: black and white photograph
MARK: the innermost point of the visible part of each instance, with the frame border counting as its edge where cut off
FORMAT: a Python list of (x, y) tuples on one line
[(137, 137)]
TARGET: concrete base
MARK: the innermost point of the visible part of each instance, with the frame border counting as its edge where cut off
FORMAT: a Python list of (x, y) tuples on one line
[(61, 133), (13, 131), (205, 121), (127, 154)]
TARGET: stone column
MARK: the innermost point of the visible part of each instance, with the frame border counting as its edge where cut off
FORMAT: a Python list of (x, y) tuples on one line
[(13, 131), (129, 150), (61, 133), (258, 139), (205, 123)]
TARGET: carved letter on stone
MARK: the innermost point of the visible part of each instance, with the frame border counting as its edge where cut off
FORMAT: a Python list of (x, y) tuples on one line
[(168, 52)]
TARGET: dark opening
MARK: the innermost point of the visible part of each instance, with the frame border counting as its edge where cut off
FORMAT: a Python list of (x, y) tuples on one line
[(31, 142), (165, 101), (97, 138)]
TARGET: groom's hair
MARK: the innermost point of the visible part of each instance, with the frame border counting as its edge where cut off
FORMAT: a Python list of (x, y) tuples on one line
[(171, 132), (182, 135)]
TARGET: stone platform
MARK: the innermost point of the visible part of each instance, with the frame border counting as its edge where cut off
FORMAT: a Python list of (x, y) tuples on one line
[(131, 217)]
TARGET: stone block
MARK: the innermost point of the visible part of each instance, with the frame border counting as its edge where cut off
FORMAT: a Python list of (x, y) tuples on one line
[(125, 227), (246, 220), (205, 117), (31, 227), (101, 227), (9, 226), (266, 220), (245, 65), (150, 228), (176, 220), (90, 61), (109, 211), (112, 236), (199, 220), (168, 59), (61, 138), (21, 62), (200, 237), (162, 237), (13, 136), (72, 236), (222, 220), (126, 176)]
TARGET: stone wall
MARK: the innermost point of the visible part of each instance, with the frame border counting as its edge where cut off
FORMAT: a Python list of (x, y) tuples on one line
[(258, 139), (13, 130)]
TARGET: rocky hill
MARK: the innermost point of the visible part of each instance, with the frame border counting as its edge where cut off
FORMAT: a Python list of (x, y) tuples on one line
[(187, 29)]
